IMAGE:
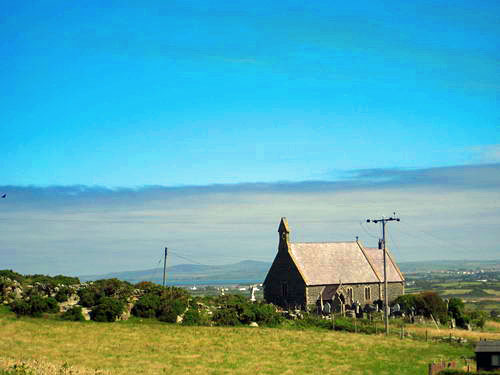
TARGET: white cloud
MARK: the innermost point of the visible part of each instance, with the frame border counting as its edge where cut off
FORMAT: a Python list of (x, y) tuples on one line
[(445, 214)]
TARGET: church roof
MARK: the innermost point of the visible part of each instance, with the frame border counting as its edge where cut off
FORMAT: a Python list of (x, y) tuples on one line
[(377, 257), (341, 262)]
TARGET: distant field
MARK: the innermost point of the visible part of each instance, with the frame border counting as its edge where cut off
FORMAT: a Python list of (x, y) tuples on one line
[(157, 348), (477, 295), (492, 291), (455, 291)]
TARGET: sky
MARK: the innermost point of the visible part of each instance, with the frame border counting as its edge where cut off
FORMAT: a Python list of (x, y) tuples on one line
[(130, 126)]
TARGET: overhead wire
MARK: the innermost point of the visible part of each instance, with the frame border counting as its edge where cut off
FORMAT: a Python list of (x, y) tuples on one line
[(366, 230)]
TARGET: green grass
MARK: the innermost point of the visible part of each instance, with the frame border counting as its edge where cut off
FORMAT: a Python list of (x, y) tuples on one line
[(147, 346)]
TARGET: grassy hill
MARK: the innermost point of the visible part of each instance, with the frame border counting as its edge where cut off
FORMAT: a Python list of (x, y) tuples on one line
[(151, 347)]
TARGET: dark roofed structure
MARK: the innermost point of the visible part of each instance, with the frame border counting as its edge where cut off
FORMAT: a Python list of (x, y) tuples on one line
[(303, 274), (488, 355)]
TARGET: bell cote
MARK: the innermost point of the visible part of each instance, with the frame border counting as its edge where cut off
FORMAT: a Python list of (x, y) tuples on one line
[(284, 233)]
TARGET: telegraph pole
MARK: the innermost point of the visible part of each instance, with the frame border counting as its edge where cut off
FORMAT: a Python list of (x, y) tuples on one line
[(165, 266), (386, 300)]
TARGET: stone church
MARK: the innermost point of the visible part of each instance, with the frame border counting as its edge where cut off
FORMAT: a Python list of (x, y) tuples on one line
[(305, 274)]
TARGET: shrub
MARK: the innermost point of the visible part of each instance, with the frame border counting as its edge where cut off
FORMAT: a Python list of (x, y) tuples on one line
[(478, 318), (92, 294), (313, 321), (88, 297), (456, 310), (266, 314), (226, 316), (108, 310), (113, 288), (12, 275), (344, 324), (52, 305), (195, 317), (147, 306), (435, 305), (62, 294), (170, 309), (20, 307), (73, 314), (36, 306), (53, 280)]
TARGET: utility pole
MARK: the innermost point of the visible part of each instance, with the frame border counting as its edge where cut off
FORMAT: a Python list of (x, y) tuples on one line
[(386, 299), (165, 266)]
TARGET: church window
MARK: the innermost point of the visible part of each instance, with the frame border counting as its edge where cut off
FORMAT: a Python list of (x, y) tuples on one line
[(349, 295), (284, 289), (368, 293)]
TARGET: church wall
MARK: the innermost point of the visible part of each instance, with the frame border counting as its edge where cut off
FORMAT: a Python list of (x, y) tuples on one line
[(358, 292), (283, 271)]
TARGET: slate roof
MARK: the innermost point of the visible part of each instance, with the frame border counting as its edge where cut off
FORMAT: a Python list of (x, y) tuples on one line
[(335, 262), (377, 257), (488, 347)]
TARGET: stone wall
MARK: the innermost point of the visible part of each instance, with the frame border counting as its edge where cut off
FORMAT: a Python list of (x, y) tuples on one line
[(358, 292)]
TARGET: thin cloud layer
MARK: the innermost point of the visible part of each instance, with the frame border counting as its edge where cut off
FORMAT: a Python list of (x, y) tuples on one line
[(447, 213)]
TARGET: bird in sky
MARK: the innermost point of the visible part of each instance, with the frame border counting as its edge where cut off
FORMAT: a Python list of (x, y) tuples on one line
[(4, 195)]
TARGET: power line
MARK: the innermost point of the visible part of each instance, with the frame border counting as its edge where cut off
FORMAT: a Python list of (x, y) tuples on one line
[(384, 221), (366, 230), (439, 240), (186, 258)]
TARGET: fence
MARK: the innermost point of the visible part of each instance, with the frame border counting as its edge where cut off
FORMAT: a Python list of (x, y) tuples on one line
[(434, 368)]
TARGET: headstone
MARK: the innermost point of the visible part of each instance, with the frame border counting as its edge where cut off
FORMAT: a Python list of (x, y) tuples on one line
[(327, 308)]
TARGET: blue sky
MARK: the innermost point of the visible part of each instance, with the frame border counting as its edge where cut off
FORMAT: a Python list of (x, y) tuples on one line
[(124, 95)]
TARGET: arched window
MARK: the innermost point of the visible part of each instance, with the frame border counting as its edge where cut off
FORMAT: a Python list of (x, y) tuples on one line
[(349, 296), (368, 293)]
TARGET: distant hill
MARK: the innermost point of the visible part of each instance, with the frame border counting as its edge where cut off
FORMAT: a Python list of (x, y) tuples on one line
[(251, 271), (247, 271)]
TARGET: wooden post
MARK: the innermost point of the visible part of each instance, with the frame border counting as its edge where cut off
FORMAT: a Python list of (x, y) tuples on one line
[(426, 335)]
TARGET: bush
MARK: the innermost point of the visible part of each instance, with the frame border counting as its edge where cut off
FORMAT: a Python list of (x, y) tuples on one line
[(92, 294), (108, 310), (62, 294), (52, 305), (73, 314), (36, 306), (478, 318), (20, 307), (195, 317), (435, 306), (456, 309), (266, 314), (226, 316), (313, 321), (88, 297), (12, 275), (170, 309), (52, 280), (147, 306), (344, 324)]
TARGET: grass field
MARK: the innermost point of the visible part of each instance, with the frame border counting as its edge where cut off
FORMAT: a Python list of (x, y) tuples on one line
[(157, 348)]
